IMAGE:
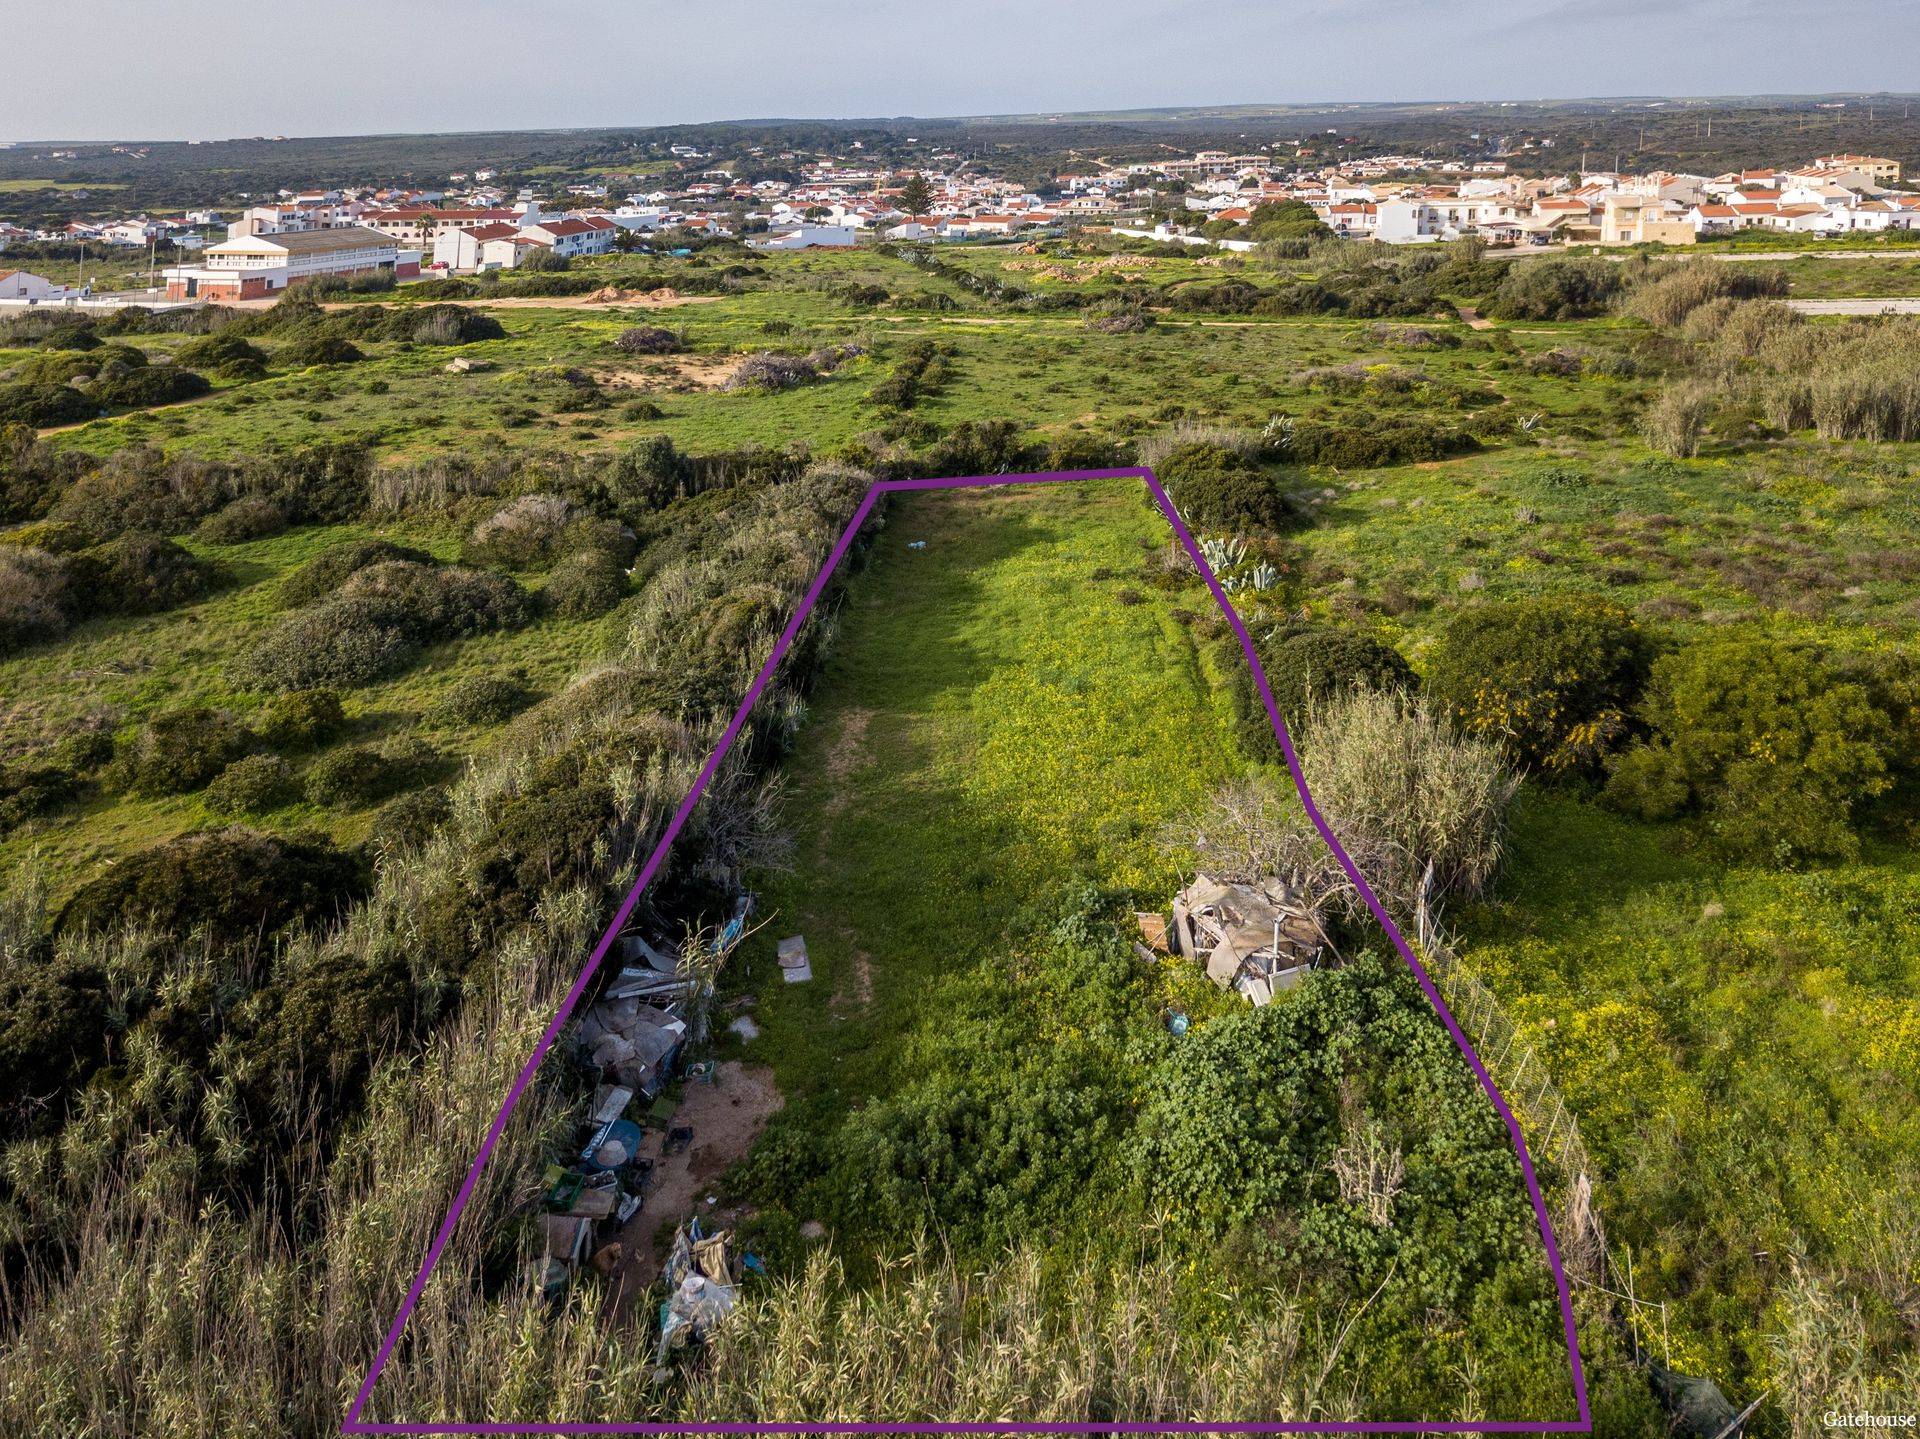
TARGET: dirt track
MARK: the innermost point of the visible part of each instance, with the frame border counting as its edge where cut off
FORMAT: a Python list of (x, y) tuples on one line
[(725, 1117)]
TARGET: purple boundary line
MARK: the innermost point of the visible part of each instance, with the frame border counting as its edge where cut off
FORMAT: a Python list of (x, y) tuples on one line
[(1583, 1425)]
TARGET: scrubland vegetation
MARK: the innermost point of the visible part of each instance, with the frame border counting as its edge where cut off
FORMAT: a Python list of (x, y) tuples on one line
[(339, 702)]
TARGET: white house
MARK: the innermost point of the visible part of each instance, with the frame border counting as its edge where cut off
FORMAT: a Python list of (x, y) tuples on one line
[(807, 237), (20, 285), (255, 267), (571, 238)]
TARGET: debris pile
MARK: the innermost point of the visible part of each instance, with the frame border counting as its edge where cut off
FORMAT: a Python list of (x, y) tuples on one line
[(1253, 938)]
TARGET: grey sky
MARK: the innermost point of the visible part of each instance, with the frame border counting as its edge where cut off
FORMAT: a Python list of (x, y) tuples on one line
[(197, 69)]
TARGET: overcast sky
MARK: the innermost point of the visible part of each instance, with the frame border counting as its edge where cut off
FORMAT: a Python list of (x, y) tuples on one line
[(211, 69)]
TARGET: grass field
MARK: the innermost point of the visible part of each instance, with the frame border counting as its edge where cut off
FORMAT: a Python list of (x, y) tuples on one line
[(991, 755), (1002, 730)]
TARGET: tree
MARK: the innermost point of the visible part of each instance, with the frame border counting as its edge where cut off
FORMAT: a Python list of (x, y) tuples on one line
[(916, 195), (1552, 680), (1764, 741)]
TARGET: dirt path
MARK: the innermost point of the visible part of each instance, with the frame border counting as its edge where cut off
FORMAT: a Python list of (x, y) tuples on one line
[(725, 1117), (1472, 320)]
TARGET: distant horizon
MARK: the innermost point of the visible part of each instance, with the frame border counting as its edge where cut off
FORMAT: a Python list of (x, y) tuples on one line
[(185, 69), (1225, 110)]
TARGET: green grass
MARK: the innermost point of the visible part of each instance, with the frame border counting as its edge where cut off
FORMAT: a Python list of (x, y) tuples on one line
[(1002, 725), (1007, 724), (129, 668), (1741, 1047)]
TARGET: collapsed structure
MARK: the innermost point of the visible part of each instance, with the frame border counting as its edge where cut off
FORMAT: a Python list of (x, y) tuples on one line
[(1253, 938)]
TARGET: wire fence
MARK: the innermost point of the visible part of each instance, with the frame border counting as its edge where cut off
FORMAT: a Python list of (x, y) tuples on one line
[(1553, 1134)]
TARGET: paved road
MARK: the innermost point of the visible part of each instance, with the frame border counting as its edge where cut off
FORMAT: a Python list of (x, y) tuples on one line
[(1856, 307)]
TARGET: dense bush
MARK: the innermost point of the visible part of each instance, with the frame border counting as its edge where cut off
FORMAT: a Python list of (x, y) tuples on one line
[(480, 700), (443, 325), (242, 886), (647, 340), (251, 517), (318, 349), (355, 777), (410, 820), (215, 351), (53, 1032), (29, 790), (649, 474), (1222, 488), (38, 406), (301, 720), (141, 574), (1306, 663), (323, 575), (768, 372), (435, 602), (1555, 290), (180, 750), (155, 385), (1400, 441), (63, 367), (522, 534), (585, 584), (381, 617), (1765, 743), (252, 784), (35, 597), (1553, 681)]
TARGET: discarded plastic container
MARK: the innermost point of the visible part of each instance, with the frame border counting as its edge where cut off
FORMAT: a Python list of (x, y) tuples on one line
[(611, 1146), (1177, 1024)]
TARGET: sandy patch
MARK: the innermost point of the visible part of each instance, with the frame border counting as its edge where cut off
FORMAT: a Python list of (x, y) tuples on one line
[(848, 753), (677, 373), (726, 1117)]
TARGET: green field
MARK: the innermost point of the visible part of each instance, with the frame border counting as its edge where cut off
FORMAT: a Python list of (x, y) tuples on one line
[(986, 753)]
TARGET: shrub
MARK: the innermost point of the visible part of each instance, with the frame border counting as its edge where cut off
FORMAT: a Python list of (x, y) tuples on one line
[(302, 719), (521, 534), (180, 750), (318, 349), (28, 791), (323, 575), (53, 1028), (1305, 664), (410, 820), (1360, 447), (250, 785), (377, 622), (432, 602), (155, 385), (650, 473), (647, 340), (35, 597), (480, 700), (1555, 290), (210, 352), (142, 574), (1676, 421), (444, 325), (768, 372), (1764, 742), (343, 642), (238, 884), (1553, 681), (1219, 487), (251, 517), (39, 406), (586, 584), (355, 777), (1677, 290)]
